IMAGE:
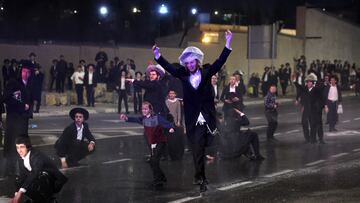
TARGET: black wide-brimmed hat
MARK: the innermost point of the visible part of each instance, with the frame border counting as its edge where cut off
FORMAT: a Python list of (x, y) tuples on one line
[(76, 110)]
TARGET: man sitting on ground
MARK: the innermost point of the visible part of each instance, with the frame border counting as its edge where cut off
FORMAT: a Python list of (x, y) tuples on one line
[(76, 141)]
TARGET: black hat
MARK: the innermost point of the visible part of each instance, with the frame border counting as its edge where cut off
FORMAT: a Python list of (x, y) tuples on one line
[(27, 64), (32, 54), (82, 111), (138, 72)]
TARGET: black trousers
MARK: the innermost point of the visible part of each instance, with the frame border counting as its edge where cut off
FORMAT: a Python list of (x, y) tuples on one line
[(80, 93), (60, 83), (90, 93), (52, 80), (41, 190), (1, 130), (314, 121), (123, 96), (284, 86), (156, 154), (332, 115), (271, 117), (200, 139), (137, 101), (70, 83), (74, 152)]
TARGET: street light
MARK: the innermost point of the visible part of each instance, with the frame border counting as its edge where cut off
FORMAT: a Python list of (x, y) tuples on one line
[(194, 11), (103, 10), (163, 9), (2, 8), (136, 10), (216, 12)]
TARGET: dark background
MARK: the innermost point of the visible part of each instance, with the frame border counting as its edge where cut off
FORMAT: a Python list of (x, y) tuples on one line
[(55, 20)]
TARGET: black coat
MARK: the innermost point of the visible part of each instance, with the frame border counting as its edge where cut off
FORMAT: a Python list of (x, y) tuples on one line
[(86, 79), (326, 93), (226, 94), (39, 163), (16, 95), (36, 86), (312, 101), (53, 71), (200, 99), (154, 94), (69, 136)]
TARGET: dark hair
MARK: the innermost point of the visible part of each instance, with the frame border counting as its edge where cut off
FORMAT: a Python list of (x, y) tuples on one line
[(24, 139), (333, 76)]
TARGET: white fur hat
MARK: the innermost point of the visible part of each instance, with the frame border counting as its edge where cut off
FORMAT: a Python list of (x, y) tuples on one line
[(191, 53)]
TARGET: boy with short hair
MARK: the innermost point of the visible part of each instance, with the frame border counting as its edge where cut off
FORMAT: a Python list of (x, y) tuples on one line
[(153, 130)]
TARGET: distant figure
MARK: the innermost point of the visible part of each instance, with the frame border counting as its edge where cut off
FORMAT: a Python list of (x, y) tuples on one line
[(333, 98), (39, 177), (122, 88), (138, 94), (36, 88), (90, 81), (153, 131), (271, 113), (62, 70), (76, 141), (53, 75), (78, 78)]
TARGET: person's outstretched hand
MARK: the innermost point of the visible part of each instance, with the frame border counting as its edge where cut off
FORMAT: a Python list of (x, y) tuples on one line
[(228, 37), (156, 51)]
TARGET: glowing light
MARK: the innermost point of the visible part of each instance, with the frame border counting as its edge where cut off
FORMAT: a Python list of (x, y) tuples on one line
[(103, 10), (163, 9), (194, 11)]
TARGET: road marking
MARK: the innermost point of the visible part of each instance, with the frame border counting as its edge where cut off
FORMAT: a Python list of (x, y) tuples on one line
[(292, 131), (339, 155), (347, 121), (116, 161), (185, 199), (256, 118), (277, 134), (356, 119), (278, 173), (72, 168), (235, 185), (356, 150), (130, 132), (1, 179), (315, 162), (343, 133), (100, 135), (258, 127), (291, 113)]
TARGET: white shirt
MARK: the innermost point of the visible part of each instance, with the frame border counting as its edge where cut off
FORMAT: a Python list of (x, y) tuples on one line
[(232, 89), (79, 132), (195, 79), (200, 119), (215, 89), (266, 77), (90, 82), (76, 75), (27, 161), (122, 83), (333, 94)]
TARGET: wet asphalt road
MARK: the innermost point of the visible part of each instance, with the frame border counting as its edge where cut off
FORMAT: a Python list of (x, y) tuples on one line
[(292, 171)]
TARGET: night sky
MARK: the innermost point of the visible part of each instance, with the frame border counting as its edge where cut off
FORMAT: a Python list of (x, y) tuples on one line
[(79, 20)]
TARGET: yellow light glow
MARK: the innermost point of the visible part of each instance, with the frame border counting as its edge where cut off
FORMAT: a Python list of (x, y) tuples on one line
[(206, 39)]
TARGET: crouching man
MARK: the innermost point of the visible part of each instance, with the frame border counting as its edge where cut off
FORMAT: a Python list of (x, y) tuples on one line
[(39, 177), (76, 141)]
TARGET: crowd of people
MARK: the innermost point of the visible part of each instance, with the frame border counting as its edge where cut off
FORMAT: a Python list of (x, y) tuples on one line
[(171, 98)]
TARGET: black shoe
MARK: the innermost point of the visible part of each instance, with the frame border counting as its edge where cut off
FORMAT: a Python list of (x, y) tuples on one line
[(322, 142), (163, 179), (157, 185), (203, 187), (200, 181)]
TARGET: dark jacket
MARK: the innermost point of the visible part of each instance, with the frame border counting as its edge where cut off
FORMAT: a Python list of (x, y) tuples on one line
[(226, 94), (39, 163), (86, 79), (200, 99), (16, 95), (36, 86), (69, 136), (326, 93), (153, 94), (312, 101)]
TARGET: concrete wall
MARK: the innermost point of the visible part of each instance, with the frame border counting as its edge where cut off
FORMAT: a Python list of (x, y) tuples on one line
[(288, 48), (339, 39)]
